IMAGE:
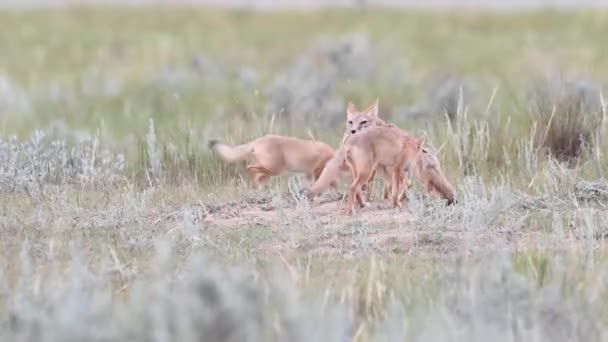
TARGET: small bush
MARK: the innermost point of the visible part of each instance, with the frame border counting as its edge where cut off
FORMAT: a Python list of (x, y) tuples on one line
[(566, 116), (31, 165)]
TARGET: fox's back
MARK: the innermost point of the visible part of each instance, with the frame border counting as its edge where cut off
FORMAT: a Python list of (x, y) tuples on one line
[(386, 145), (381, 142), (296, 145), (377, 136), (296, 154)]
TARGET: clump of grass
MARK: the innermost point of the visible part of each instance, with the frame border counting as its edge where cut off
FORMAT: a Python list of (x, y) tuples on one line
[(567, 115), (480, 144)]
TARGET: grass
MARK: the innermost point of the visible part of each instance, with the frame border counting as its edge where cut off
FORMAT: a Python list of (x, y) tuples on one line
[(117, 223)]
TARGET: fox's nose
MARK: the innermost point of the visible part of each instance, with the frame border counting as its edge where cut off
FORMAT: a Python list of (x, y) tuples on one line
[(353, 131)]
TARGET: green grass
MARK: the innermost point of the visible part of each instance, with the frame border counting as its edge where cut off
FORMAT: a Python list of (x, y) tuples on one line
[(131, 45), (47, 44)]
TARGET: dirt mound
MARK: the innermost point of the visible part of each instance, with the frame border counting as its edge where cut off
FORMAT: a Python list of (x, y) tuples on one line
[(324, 211)]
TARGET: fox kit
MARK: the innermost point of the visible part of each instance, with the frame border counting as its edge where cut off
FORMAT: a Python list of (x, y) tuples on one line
[(273, 155), (356, 121), (428, 171), (427, 168), (375, 147)]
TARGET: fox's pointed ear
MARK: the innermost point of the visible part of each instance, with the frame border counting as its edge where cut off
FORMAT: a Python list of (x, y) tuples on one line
[(372, 110), (351, 109)]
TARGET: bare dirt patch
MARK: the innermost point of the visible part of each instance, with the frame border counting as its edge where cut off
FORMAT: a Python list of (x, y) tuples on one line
[(325, 230), (378, 228), (323, 211)]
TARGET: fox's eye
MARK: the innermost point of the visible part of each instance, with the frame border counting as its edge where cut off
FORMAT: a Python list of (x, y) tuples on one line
[(350, 122), (363, 122)]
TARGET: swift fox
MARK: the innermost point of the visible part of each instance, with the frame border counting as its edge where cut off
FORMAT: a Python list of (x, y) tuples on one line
[(378, 146), (272, 155), (427, 168), (357, 121), (428, 171)]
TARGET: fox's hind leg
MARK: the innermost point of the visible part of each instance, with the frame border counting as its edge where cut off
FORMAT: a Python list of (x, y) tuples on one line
[(360, 200), (350, 198), (257, 180), (407, 184), (258, 176), (263, 179), (387, 188)]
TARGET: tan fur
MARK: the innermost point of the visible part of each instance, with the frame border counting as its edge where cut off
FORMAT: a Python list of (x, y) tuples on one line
[(357, 121), (375, 147), (273, 155), (427, 169), (333, 169)]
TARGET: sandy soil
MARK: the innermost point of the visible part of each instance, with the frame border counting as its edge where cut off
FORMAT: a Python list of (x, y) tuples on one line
[(384, 230)]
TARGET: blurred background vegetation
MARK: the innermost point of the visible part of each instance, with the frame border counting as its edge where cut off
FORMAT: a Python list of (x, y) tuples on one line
[(481, 85)]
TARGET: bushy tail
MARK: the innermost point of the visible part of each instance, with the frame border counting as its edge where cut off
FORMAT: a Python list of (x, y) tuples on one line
[(330, 173), (231, 154)]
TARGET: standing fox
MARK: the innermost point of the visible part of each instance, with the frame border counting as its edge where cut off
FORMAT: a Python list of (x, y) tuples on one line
[(360, 120), (383, 147), (273, 155), (427, 168)]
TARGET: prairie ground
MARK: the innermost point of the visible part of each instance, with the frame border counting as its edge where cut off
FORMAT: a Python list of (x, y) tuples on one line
[(117, 223)]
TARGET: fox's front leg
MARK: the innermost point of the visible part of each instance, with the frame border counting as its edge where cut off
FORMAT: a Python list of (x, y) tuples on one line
[(367, 187), (349, 209), (258, 176), (395, 185), (350, 202), (387, 189)]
